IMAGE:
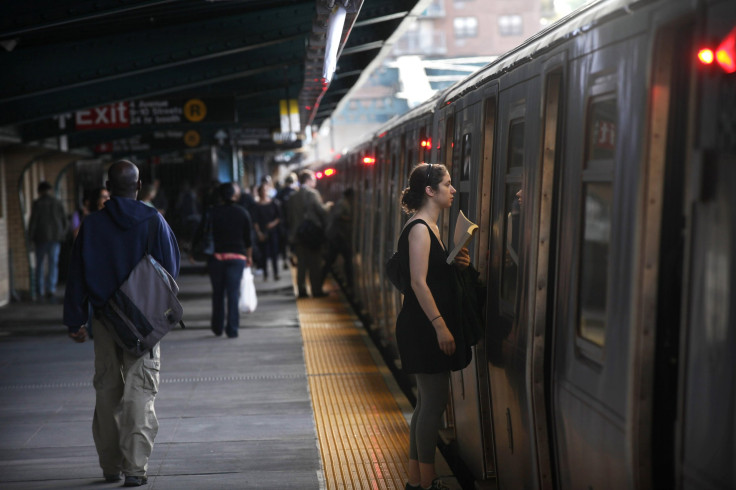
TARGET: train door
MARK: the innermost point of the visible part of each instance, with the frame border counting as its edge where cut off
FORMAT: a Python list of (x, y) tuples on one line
[(382, 217), (593, 366), (470, 385), (362, 231), (507, 316)]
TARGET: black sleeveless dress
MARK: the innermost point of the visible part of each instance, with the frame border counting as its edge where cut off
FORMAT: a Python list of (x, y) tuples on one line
[(416, 338)]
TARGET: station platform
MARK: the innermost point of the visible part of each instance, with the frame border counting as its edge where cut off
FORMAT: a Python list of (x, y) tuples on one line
[(300, 400)]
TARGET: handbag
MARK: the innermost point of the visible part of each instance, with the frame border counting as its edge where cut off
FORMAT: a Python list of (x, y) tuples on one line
[(144, 308), (394, 274), (248, 299), (203, 245)]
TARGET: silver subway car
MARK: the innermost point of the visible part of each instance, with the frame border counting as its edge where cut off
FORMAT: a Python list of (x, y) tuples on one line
[(599, 160)]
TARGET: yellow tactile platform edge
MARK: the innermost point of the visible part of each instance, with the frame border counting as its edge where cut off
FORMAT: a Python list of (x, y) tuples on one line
[(363, 436)]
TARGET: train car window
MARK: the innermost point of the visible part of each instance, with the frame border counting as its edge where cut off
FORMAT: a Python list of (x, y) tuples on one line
[(466, 163), (511, 243), (597, 199), (516, 144), (601, 132)]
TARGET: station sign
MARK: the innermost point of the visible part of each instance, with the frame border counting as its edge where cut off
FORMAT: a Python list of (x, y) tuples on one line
[(146, 112), (156, 140)]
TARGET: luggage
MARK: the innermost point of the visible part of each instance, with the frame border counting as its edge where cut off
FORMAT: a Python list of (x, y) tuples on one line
[(144, 308)]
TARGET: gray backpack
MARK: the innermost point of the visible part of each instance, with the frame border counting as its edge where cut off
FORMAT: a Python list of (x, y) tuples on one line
[(144, 308)]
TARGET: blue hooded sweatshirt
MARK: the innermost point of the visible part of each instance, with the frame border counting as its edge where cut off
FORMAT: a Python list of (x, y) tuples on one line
[(109, 244)]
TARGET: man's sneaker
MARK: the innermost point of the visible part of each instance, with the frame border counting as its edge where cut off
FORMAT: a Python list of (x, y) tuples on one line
[(135, 481), (112, 478)]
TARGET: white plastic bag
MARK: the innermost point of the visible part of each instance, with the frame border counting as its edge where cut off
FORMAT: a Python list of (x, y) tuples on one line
[(248, 299)]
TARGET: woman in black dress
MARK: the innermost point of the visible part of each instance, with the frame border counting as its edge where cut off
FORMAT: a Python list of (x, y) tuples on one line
[(424, 328)]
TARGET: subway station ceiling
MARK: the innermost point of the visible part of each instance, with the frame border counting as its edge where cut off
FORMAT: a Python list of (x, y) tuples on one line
[(113, 74)]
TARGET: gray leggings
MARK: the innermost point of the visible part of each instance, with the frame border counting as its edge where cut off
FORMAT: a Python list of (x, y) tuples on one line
[(425, 422)]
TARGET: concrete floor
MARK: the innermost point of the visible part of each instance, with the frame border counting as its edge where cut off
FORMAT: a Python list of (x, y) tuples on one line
[(233, 413)]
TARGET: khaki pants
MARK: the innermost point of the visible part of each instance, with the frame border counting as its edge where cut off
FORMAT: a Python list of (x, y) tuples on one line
[(125, 422)]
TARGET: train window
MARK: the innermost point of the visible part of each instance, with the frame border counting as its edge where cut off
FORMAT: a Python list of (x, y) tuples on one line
[(466, 155), (597, 202), (594, 256), (516, 144), (601, 131), (511, 243)]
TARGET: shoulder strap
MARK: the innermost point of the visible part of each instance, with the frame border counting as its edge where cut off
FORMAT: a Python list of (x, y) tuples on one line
[(409, 225)]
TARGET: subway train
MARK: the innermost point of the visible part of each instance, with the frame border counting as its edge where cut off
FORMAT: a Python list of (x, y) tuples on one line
[(599, 160)]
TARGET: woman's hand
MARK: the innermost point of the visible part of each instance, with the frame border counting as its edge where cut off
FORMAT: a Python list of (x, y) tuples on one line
[(444, 337), (462, 259)]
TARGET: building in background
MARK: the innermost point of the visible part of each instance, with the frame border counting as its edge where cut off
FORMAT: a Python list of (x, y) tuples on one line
[(449, 41)]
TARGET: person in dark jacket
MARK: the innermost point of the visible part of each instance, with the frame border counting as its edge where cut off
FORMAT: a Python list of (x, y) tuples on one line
[(109, 244), (231, 231), (47, 229)]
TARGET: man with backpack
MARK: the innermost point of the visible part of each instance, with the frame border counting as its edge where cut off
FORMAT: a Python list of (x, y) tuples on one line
[(109, 245)]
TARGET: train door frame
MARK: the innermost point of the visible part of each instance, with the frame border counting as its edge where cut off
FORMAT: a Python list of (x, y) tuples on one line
[(553, 74), (515, 159), (467, 384), (593, 314), (485, 194), (392, 295), (383, 164), (362, 229)]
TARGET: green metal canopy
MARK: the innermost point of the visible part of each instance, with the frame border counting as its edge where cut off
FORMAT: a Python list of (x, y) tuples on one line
[(104, 70)]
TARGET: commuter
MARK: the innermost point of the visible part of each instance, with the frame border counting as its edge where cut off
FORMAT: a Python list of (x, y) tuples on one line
[(94, 200), (425, 325), (47, 229), (231, 230), (110, 243), (266, 221), (340, 237), (147, 195), (307, 221), (282, 196)]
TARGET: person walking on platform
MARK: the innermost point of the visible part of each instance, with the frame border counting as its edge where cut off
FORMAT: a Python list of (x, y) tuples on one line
[(340, 238), (307, 218), (47, 229), (266, 220), (231, 232), (426, 322), (109, 244), (282, 196)]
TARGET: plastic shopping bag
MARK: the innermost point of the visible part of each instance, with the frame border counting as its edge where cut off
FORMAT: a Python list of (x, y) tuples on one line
[(248, 299)]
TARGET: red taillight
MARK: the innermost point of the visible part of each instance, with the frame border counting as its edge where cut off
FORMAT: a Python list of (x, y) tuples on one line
[(426, 143), (369, 160), (726, 52), (724, 55), (706, 56), (329, 172), (319, 175)]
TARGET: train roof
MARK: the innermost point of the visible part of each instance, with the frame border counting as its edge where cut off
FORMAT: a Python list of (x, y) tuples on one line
[(574, 24)]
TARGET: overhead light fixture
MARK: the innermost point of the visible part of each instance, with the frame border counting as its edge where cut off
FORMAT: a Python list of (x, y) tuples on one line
[(334, 35)]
